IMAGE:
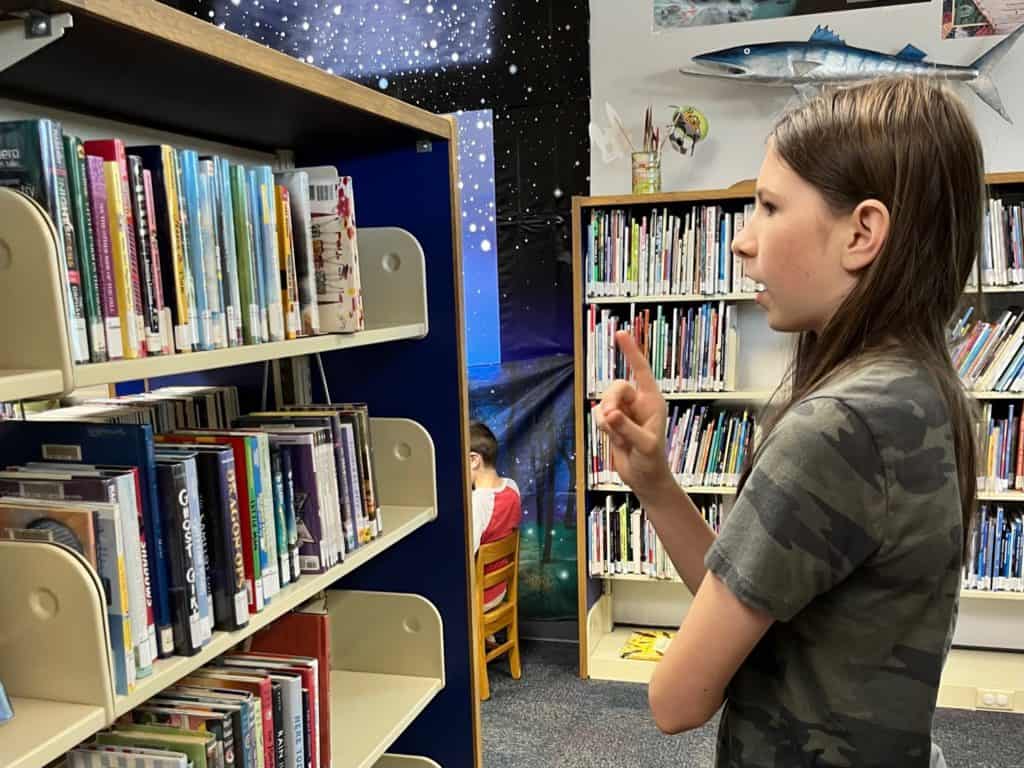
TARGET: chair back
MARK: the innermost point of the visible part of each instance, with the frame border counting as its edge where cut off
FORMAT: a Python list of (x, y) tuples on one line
[(503, 553)]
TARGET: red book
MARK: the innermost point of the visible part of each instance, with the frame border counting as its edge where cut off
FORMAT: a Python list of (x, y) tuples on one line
[(304, 633), (112, 151)]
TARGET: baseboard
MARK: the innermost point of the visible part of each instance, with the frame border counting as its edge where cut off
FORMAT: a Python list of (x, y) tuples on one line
[(550, 631)]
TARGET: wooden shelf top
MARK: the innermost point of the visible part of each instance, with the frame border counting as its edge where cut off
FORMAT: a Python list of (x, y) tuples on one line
[(144, 62), (739, 190), (91, 374), (696, 490), (983, 594), (401, 521), (1000, 495)]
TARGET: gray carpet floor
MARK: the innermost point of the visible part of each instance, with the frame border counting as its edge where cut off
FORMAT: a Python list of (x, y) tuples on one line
[(552, 719)]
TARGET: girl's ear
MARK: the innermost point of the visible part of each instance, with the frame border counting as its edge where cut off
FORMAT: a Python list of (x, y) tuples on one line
[(869, 229)]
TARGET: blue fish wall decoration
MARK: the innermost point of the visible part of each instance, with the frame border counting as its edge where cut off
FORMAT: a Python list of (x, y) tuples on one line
[(826, 59)]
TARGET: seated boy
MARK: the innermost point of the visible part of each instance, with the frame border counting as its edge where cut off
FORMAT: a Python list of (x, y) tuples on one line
[(496, 510)]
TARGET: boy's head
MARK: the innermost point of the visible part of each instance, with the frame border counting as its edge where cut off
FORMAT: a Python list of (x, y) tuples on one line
[(483, 448)]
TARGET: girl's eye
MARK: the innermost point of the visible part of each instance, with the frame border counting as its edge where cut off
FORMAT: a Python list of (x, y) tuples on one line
[(767, 207)]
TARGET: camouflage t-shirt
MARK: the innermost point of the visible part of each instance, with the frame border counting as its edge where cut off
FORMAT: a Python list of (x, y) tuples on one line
[(848, 532)]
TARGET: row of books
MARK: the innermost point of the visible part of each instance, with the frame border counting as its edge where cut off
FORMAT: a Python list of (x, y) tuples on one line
[(622, 540), (989, 356), (268, 707), (200, 526), (706, 446), (164, 250), (689, 349), (1000, 449), (996, 551), (1002, 260), (665, 253)]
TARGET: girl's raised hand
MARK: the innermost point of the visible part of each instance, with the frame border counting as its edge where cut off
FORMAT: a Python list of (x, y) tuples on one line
[(634, 419)]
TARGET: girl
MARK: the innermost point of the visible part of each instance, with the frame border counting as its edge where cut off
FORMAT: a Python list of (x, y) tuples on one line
[(823, 611)]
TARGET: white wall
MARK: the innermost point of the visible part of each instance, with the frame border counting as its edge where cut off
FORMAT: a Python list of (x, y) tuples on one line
[(633, 66)]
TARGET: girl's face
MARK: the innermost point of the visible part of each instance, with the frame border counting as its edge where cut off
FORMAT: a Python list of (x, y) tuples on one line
[(793, 246)]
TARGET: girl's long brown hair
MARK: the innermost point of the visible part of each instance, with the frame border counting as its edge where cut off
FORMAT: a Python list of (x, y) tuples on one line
[(910, 144)]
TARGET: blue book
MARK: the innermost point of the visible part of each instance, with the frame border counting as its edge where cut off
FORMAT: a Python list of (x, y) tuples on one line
[(272, 266), (258, 258), (189, 160), (103, 444), (214, 269), (229, 252)]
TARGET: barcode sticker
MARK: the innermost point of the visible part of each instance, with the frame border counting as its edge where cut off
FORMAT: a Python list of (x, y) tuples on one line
[(276, 322), (232, 335), (98, 336), (195, 631), (293, 321), (153, 343), (242, 607), (323, 192)]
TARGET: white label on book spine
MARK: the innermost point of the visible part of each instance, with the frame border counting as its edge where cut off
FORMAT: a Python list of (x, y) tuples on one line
[(207, 326), (183, 337), (294, 325), (242, 607), (232, 337), (81, 339), (166, 640), (153, 343), (254, 321), (195, 631), (296, 565), (97, 332), (115, 349), (276, 321)]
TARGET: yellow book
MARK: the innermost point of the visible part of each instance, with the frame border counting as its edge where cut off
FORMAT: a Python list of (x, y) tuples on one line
[(286, 261), (121, 254)]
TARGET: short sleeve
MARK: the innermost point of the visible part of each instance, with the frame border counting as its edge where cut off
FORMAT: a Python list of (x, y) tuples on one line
[(483, 508), (811, 511)]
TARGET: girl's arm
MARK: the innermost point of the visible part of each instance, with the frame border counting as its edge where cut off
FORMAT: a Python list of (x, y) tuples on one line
[(680, 527), (718, 633)]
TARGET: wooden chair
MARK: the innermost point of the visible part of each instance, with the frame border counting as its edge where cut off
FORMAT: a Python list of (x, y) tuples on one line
[(506, 614)]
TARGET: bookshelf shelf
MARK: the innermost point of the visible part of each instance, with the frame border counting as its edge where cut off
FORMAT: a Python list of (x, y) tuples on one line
[(723, 490), (638, 577), (42, 731), (969, 673), (401, 522), (373, 712), (1002, 289), (25, 385), (678, 298), (981, 594), (737, 396), (387, 664), (606, 664), (405, 761), (152, 367), (1001, 496), (980, 395)]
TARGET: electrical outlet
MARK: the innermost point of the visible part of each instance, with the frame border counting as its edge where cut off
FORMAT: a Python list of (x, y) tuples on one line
[(995, 699)]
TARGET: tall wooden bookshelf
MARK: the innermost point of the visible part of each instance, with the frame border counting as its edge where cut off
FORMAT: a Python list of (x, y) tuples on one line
[(610, 608), (401, 660)]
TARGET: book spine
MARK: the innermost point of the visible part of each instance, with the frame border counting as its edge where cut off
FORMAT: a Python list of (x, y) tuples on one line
[(104, 257), (286, 255), (143, 254), (190, 178), (60, 210), (200, 551), (288, 485), (229, 256), (166, 324), (235, 594), (250, 314), (143, 631), (272, 262), (186, 622), (119, 239), (212, 266), (280, 525), (74, 160), (258, 256)]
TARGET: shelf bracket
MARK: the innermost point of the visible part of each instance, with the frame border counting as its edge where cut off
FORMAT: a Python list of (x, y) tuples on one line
[(21, 37)]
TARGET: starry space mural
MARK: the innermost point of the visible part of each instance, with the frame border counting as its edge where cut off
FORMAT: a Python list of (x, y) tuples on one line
[(526, 63)]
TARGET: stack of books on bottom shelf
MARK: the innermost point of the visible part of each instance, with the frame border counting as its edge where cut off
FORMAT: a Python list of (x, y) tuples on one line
[(621, 540), (269, 706), (996, 551), (197, 528)]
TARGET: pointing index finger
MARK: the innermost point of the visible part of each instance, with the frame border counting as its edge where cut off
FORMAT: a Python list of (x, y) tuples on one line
[(641, 370)]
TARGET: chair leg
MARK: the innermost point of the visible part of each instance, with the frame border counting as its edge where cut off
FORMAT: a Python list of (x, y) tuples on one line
[(513, 655), (484, 684)]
